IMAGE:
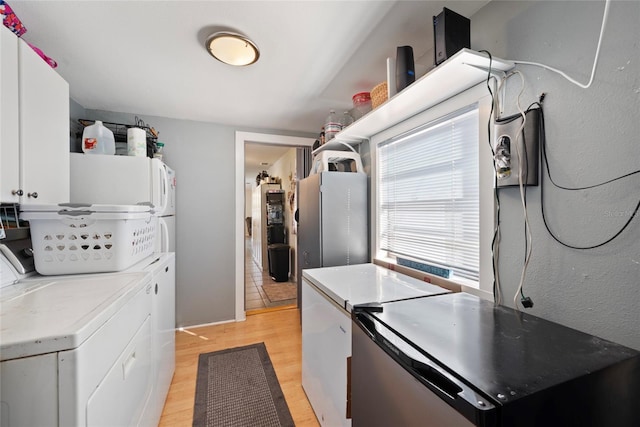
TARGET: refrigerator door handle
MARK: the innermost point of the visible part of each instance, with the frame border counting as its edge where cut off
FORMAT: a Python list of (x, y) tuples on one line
[(432, 376), (164, 236), (362, 319), (164, 190), (369, 307)]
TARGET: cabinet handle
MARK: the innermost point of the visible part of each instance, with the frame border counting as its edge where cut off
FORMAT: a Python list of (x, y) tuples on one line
[(156, 289), (128, 364), (17, 192), (166, 269), (34, 195)]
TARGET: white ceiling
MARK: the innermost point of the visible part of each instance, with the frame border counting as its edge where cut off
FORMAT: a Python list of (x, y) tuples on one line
[(148, 57)]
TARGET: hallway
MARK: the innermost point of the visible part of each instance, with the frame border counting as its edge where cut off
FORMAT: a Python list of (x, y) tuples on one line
[(261, 291)]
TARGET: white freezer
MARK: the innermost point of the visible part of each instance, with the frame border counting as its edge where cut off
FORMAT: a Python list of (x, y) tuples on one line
[(350, 285), (328, 296)]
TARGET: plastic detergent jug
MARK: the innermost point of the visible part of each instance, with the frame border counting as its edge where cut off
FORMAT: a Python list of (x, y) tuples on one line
[(97, 139)]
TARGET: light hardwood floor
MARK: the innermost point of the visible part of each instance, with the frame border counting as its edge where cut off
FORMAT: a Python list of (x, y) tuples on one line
[(279, 330)]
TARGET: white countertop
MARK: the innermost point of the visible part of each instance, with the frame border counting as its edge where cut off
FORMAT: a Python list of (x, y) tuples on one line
[(350, 285), (59, 313)]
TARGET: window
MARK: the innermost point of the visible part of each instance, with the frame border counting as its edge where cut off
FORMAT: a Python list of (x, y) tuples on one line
[(429, 194)]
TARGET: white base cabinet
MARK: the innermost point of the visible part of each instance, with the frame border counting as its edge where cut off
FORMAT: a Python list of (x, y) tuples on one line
[(326, 350)]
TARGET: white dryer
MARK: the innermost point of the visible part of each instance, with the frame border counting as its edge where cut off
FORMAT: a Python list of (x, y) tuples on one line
[(75, 350)]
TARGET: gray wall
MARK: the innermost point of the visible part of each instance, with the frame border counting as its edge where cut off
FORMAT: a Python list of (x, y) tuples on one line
[(592, 136), (203, 155)]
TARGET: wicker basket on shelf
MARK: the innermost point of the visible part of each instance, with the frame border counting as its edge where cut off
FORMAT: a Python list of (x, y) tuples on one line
[(378, 94)]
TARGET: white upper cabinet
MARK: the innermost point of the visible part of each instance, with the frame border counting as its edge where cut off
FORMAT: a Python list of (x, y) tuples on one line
[(9, 136), (35, 150)]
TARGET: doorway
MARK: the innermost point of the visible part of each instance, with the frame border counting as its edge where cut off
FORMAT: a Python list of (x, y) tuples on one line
[(245, 264)]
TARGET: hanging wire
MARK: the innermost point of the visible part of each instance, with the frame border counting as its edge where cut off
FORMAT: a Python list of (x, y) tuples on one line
[(495, 241), (595, 60)]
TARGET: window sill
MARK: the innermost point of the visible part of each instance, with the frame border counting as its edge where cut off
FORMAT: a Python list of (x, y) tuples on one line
[(457, 285)]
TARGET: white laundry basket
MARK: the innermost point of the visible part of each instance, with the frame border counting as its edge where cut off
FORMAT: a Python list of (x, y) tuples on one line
[(74, 238)]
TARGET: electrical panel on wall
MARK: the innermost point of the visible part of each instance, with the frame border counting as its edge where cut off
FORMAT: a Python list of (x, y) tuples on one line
[(516, 149)]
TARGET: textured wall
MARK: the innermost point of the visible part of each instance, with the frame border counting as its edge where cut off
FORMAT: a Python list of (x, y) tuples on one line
[(592, 136)]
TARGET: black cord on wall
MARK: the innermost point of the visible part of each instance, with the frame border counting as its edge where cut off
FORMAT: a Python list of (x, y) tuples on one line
[(548, 172)]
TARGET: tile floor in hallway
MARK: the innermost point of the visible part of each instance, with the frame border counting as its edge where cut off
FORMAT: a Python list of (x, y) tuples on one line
[(254, 278)]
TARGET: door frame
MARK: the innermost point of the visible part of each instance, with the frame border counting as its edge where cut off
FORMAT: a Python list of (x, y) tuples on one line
[(241, 139)]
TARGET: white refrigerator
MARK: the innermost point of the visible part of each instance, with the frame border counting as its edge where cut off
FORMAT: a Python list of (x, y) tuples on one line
[(128, 180)]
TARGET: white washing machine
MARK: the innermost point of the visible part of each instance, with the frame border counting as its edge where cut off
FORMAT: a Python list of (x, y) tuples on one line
[(78, 350)]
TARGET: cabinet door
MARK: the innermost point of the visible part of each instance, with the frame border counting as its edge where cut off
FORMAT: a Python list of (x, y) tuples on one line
[(9, 154), (44, 130)]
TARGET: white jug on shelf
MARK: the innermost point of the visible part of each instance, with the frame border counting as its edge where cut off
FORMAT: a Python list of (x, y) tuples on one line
[(97, 139)]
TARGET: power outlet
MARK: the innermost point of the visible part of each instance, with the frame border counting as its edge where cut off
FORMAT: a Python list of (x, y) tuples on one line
[(508, 164)]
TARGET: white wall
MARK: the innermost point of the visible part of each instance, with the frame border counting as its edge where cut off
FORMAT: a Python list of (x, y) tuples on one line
[(592, 136)]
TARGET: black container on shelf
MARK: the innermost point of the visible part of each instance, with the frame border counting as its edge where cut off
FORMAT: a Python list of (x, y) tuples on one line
[(451, 33)]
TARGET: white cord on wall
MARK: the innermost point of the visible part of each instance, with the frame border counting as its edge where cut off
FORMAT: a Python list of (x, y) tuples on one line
[(595, 60), (521, 184)]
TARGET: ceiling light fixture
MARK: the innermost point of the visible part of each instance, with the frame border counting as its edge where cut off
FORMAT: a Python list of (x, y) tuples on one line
[(232, 48)]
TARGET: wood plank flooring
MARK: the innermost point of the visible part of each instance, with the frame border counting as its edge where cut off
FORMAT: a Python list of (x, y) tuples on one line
[(279, 330)]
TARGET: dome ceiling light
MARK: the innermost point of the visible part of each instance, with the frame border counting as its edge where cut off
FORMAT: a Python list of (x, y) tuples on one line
[(232, 48)]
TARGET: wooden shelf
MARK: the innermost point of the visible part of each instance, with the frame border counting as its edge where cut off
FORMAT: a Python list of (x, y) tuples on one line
[(457, 74)]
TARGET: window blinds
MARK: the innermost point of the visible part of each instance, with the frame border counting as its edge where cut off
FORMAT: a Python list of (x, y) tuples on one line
[(428, 193)]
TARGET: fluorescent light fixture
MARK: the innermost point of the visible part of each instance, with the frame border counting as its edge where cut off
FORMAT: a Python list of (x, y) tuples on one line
[(232, 48)]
